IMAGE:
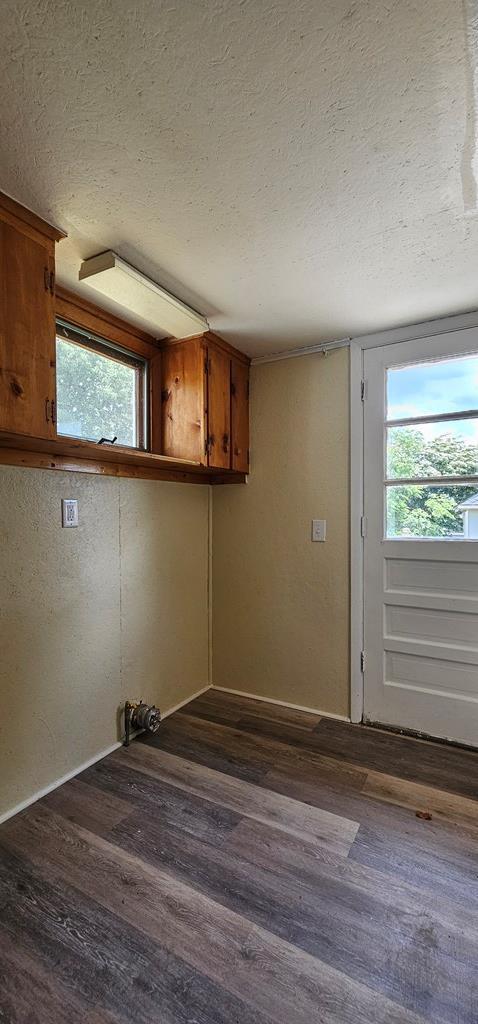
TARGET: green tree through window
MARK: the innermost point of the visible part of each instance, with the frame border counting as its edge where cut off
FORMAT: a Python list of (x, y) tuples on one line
[(420, 510), (96, 395)]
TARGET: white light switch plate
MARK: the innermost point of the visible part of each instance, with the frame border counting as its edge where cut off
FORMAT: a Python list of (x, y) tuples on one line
[(319, 529), (69, 512)]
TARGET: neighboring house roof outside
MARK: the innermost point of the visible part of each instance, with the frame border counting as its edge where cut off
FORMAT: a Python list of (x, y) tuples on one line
[(469, 503)]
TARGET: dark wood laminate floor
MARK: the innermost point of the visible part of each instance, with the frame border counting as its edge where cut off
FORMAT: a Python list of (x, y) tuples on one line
[(247, 865)]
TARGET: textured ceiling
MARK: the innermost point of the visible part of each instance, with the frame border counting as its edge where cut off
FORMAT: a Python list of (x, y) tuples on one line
[(297, 171)]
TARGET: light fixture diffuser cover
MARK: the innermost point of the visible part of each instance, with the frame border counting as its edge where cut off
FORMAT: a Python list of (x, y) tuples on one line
[(117, 280)]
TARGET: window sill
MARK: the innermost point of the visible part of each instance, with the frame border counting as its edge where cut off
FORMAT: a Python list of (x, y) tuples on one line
[(73, 455)]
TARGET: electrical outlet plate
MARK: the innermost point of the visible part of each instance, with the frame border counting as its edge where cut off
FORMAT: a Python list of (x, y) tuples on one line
[(69, 512), (319, 529)]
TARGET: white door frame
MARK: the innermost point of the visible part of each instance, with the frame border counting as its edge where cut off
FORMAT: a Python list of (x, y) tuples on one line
[(358, 345)]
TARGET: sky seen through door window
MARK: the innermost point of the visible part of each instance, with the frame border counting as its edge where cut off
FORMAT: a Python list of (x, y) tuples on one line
[(429, 389)]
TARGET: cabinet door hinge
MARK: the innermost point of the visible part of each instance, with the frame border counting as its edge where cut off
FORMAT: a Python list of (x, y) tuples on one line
[(362, 661), (363, 390), (207, 364), (363, 526)]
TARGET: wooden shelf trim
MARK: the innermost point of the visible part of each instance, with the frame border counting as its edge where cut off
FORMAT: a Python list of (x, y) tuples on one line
[(205, 338), (86, 457), (34, 225)]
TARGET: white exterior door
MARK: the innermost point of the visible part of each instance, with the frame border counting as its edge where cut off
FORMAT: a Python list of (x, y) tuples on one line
[(420, 566)]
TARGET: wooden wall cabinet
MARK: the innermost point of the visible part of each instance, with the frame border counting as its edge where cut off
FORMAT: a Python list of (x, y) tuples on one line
[(183, 424), (27, 322), (205, 402), (218, 407), (198, 423)]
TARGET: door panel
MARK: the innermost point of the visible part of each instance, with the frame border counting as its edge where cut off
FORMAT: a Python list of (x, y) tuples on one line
[(219, 408), (27, 334), (430, 675), (421, 591), (429, 625), (404, 574), (240, 415)]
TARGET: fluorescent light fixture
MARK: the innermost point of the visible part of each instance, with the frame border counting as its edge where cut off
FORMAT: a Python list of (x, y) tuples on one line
[(165, 314)]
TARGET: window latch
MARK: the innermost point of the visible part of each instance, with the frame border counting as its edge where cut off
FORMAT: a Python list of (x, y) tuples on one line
[(108, 440)]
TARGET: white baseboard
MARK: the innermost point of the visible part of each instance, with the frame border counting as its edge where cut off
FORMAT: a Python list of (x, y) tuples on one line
[(187, 700), (58, 782), (87, 764), (282, 703)]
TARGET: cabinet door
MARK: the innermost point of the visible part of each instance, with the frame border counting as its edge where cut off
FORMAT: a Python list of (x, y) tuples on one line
[(240, 415), (27, 334), (219, 408), (183, 406)]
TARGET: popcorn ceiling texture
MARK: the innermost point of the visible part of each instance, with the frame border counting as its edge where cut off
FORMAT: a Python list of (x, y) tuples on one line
[(296, 171)]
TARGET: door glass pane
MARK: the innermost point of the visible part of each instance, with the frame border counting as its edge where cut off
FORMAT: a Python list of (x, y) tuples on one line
[(448, 448), (428, 389), (96, 396), (444, 510)]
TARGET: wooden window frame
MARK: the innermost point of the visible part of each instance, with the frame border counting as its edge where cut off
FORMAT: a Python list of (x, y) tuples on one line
[(114, 460), (80, 312), (111, 350)]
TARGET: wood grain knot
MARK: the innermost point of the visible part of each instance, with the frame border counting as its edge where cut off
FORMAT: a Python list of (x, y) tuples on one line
[(16, 387)]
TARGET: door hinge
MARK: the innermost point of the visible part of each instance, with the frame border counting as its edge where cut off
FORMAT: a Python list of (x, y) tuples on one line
[(363, 526), (207, 364), (362, 661), (363, 390)]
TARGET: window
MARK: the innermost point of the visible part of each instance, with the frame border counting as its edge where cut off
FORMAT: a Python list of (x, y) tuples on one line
[(100, 389), (431, 473)]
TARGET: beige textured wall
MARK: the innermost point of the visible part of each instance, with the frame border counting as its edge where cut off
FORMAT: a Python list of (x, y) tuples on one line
[(90, 616), (119, 606), (280, 602)]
